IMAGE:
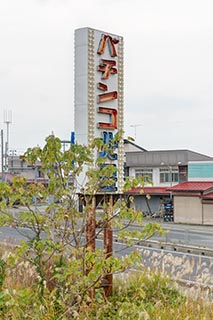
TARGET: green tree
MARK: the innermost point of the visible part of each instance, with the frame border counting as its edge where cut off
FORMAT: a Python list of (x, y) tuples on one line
[(71, 272)]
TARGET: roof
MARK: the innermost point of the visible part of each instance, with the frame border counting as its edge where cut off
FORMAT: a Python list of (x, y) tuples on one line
[(196, 186), (136, 146), (208, 196), (164, 157), (149, 190)]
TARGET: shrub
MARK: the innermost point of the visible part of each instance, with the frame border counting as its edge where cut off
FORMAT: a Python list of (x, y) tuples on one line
[(149, 296)]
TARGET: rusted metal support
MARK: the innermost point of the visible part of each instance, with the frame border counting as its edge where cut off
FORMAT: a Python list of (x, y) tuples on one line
[(108, 244), (90, 232), (91, 203), (91, 225)]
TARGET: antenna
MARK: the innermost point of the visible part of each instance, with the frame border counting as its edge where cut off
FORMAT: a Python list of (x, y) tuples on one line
[(135, 127)]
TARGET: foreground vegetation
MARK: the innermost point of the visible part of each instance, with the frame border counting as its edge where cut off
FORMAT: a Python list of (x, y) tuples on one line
[(59, 247), (142, 295), (57, 272)]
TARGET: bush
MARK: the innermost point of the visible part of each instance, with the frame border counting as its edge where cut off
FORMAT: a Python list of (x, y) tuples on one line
[(142, 295), (149, 295)]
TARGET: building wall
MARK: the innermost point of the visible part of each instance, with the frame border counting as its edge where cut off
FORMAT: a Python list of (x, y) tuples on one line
[(200, 171), (155, 176), (18, 167), (187, 209), (208, 214), (154, 203)]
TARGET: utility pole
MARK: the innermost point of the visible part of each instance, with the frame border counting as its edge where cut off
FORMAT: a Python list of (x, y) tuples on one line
[(2, 155), (7, 120)]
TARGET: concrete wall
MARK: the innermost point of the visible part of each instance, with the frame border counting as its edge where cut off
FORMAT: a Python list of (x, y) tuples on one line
[(208, 213), (187, 209)]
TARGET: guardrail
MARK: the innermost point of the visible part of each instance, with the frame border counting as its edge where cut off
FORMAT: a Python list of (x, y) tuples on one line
[(173, 247)]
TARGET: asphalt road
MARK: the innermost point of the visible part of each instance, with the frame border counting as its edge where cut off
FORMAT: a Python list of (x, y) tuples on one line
[(196, 235), (177, 234), (189, 267), (191, 235)]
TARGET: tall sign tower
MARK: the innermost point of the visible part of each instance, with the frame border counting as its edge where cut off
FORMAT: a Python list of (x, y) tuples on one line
[(99, 93)]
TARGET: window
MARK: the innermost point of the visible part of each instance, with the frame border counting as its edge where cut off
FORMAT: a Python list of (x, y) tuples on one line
[(168, 175), (146, 173)]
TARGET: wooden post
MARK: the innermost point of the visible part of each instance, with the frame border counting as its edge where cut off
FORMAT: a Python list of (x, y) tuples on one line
[(108, 246)]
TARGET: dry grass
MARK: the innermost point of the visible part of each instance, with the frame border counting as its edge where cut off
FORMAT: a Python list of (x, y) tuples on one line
[(146, 295), (193, 273)]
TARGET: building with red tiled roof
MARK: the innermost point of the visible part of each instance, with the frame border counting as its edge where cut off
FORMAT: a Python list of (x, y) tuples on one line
[(193, 186), (161, 169), (193, 202), (149, 191), (208, 196)]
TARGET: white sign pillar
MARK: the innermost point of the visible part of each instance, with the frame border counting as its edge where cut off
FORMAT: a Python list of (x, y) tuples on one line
[(99, 93)]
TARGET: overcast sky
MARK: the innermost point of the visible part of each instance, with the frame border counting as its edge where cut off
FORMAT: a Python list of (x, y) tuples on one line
[(168, 48)]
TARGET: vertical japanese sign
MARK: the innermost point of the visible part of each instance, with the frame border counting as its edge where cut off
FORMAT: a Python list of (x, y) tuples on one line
[(99, 93)]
